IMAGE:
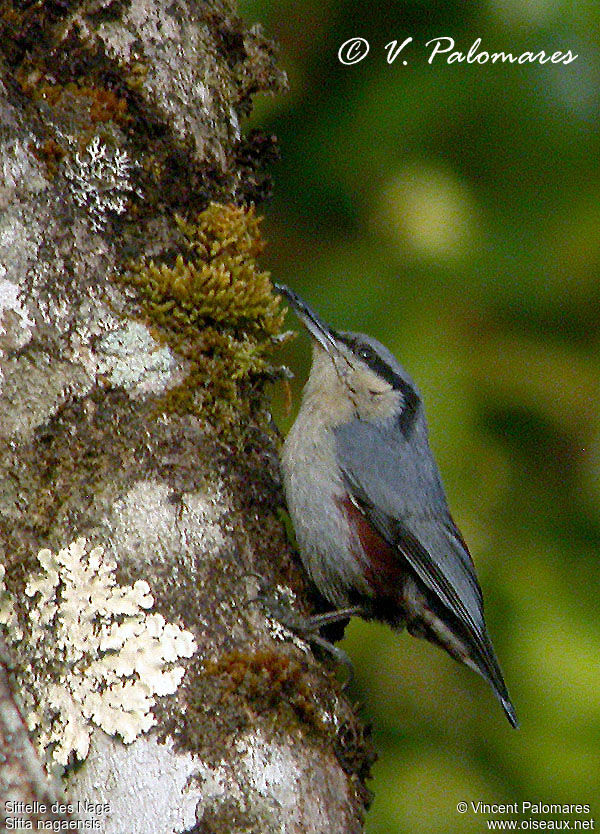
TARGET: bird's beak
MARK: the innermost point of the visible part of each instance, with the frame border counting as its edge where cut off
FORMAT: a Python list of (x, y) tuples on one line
[(317, 328)]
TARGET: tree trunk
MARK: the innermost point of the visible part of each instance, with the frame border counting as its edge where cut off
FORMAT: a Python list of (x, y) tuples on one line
[(140, 494)]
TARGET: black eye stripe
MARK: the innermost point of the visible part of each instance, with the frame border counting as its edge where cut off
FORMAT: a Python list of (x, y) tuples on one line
[(375, 362), (407, 416)]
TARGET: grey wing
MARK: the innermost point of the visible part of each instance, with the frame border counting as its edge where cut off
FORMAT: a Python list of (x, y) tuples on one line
[(395, 480), (397, 484)]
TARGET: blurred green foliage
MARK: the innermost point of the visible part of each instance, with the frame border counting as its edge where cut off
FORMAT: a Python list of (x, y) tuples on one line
[(453, 211)]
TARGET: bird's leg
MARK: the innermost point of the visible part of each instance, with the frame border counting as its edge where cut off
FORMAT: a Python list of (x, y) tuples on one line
[(317, 621), (308, 628), (338, 654)]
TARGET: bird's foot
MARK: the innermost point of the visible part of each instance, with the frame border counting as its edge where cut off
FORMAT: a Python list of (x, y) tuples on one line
[(308, 628)]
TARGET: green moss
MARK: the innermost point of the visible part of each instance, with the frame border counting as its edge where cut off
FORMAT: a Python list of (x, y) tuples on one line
[(268, 680), (93, 102), (213, 306), (50, 153), (267, 688), (240, 690)]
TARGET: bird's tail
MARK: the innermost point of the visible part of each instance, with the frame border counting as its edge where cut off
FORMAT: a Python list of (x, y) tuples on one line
[(427, 618), (485, 662)]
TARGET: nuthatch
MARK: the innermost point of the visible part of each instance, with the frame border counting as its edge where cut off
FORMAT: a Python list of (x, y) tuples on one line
[(364, 493)]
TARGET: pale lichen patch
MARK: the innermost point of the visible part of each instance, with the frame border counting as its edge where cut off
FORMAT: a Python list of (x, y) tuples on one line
[(156, 772), (20, 172), (148, 513), (101, 183), (21, 237), (33, 389), (89, 652), (15, 322), (270, 781), (130, 358)]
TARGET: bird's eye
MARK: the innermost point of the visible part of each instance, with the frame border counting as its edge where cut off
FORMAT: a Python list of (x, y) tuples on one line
[(365, 353)]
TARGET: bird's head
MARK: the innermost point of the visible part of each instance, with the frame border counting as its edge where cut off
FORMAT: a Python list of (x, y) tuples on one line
[(354, 375)]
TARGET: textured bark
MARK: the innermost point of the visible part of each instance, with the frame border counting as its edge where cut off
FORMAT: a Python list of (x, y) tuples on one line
[(129, 505), (23, 781)]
